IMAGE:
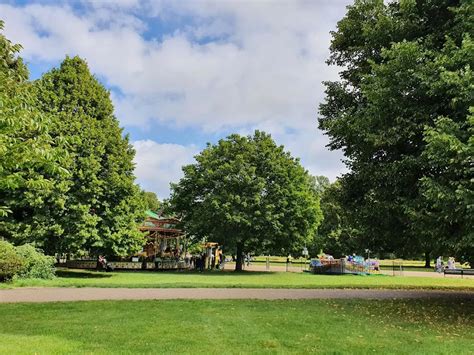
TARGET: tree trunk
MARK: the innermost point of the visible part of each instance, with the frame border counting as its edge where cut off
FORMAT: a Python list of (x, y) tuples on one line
[(427, 259), (238, 262)]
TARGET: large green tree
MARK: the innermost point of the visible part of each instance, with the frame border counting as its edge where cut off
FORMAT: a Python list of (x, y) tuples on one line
[(249, 194), (31, 163), (151, 201), (103, 204), (405, 65)]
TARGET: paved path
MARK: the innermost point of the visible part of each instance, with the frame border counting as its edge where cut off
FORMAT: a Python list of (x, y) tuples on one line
[(50, 294)]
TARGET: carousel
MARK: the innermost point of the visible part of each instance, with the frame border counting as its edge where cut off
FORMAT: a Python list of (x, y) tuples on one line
[(165, 247)]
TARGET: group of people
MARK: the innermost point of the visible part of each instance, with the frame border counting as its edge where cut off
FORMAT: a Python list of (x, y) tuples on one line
[(203, 261), (440, 266)]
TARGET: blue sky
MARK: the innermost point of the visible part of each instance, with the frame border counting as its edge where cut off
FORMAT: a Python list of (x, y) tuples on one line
[(183, 73)]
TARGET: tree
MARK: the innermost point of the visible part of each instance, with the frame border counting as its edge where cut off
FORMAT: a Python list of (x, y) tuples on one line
[(103, 205), (449, 188), (247, 193), (336, 234), (151, 201), (31, 164), (406, 64), (320, 183)]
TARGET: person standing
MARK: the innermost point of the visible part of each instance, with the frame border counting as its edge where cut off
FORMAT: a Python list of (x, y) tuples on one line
[(439, 264), (203, 262)]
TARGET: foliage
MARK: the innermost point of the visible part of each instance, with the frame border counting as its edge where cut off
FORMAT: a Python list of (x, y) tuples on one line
[(31, 166), (407, 69), (24, 261), (10, 262), (449, 187), (66, 172), (151, 201), (103, 204), (36, 265), (195, 248), (336, 234), (320, 184), (247, 193)]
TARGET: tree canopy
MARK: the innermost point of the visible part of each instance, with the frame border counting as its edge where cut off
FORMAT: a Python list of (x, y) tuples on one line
[(400, 112), (151, 201), (336, 234), (31, 161), (320, 183), (248, 194), (103, 203), (66, 171)]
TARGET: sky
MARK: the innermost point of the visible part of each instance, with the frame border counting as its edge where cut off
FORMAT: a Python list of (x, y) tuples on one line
[(184, 73)]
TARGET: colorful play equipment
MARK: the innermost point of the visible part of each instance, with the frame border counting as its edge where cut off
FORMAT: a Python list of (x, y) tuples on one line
[(352, 264)]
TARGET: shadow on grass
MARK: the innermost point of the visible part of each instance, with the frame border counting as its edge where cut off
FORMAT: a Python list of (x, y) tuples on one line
[(92, 274), (213, 273), (228, 273), (70, 274)]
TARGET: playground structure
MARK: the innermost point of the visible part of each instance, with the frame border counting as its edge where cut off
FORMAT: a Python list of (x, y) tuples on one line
[(354, 265)]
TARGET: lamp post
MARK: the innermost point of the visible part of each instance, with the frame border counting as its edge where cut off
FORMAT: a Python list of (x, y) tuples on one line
[(368, 259), (305, 254)]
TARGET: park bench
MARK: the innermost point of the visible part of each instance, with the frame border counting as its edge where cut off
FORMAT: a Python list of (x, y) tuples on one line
[(461, 272)]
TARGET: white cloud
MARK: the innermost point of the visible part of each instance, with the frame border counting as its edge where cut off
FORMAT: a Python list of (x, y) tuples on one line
[(235, 65), (159, 164)]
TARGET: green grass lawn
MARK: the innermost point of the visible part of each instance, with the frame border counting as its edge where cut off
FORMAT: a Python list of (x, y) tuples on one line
[(76, 278), (244, 326)]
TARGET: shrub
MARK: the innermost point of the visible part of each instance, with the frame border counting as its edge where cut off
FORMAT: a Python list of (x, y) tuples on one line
[(36, 264), (10, 262)]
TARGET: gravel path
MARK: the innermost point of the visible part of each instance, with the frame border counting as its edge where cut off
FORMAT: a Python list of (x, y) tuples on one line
[(47, 294)]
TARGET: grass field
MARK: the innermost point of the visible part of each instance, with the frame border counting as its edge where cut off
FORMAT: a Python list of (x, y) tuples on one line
[(70, 278), (328, 326)]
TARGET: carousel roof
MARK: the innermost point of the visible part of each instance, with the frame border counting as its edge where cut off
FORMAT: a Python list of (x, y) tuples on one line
[(156, 223), (152, 214)]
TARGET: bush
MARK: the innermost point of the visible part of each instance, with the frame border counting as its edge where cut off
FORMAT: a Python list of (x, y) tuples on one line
[(24, 261), (10, 262), (36, 264)]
